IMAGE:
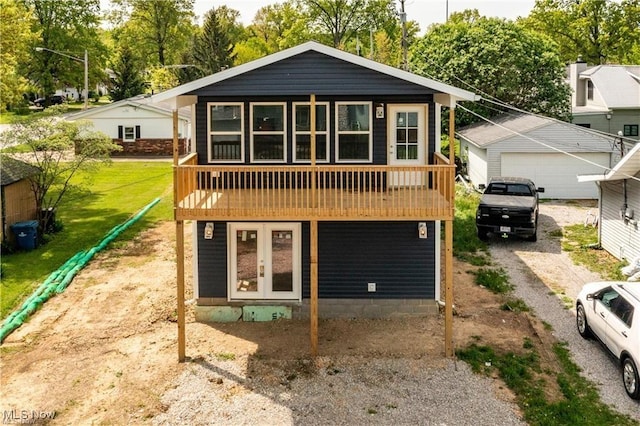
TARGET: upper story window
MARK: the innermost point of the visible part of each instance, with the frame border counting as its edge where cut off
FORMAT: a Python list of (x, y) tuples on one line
[(226, 129), (128, 133), (589, 90), (630, 130), (353, 131), (268, 132), (302, 132)]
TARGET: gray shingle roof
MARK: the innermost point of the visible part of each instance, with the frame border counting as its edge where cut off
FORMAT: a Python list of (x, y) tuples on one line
[(484, 133), (618, 85), (12, 170)]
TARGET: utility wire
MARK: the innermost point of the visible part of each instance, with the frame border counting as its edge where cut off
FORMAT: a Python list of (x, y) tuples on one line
[(542, 143)]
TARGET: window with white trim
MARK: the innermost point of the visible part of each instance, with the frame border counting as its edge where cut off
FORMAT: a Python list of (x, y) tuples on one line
[(226, 130), (129, 134), (268, 132), (302, 132), (353, 131)]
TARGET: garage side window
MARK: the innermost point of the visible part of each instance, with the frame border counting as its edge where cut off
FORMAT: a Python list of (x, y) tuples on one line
[(226, 124)]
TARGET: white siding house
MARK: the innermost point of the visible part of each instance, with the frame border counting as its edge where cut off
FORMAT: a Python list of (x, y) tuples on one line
[(549, 152), (140, 127), (619, 207)]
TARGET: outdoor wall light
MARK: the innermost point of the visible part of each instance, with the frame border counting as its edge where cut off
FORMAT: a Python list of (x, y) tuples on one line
[(422, 230), (208, 231)]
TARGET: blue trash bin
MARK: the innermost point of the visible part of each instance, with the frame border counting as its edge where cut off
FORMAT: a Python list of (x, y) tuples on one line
[(26, 234)]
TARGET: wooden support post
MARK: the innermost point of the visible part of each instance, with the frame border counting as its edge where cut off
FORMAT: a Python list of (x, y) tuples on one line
[(448, 289), (312, 117), (313, 306), (448, 238), (179, 244), (180, 295)]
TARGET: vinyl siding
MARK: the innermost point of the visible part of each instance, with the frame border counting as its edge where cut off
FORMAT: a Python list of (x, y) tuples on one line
[(312, 72), (549, 139), (620, 239), (350, 255)]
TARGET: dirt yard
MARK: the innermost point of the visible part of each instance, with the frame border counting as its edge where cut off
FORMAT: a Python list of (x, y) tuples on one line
[(105, 351)]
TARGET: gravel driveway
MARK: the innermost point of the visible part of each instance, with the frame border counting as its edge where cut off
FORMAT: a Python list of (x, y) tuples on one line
[(546, 278)]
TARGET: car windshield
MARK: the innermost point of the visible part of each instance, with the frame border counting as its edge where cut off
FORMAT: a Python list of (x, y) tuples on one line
[(509, 189)]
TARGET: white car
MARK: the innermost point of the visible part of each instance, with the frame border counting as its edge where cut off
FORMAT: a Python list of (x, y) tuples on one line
[(610, 311)]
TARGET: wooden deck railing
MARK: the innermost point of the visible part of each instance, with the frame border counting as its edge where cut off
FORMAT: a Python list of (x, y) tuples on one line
[(327, 192)]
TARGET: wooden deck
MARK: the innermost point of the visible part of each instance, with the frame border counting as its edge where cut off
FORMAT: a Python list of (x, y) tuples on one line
[(325, 192)]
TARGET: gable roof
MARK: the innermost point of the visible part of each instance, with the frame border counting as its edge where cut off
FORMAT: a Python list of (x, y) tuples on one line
[(618, 85), (484, 133), (458, 94), (13, 170), (629, 165), (139, 101)]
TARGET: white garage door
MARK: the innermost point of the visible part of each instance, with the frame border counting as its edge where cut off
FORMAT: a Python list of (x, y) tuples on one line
[(556, 172)]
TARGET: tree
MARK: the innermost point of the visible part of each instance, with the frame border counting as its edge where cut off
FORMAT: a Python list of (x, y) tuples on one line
[(158, 30), (15, 37), (340, 20), (129, 80), (213, 47), (497, 59), (599, 31), (68, 27), (162, 78), (51, 142)]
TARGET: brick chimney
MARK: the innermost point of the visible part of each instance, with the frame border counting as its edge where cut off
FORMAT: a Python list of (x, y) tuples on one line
[(578, 88)]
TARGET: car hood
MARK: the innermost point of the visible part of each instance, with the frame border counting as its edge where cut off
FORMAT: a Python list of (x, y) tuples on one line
[(508, 201)]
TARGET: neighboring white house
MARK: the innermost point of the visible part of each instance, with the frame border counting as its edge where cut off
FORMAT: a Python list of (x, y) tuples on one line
[(606, 98), (140, 127), (619, 207), (549, 152)]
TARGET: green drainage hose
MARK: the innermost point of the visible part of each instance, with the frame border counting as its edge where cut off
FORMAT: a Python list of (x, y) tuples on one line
[(60, 279)]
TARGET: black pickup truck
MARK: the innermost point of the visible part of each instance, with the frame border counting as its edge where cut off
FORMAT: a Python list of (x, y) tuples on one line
[(509, 206)]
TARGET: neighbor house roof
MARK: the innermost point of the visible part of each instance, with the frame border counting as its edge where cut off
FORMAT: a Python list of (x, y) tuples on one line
[(506, 125), (628, 166), (13, 170), (458, 94), (139, 101), (618, 85)]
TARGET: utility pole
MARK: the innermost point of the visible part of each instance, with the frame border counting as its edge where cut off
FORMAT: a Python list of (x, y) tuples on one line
[(403, 19)]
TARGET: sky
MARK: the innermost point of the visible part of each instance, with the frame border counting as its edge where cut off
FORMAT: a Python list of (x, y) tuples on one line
[(425, 12)]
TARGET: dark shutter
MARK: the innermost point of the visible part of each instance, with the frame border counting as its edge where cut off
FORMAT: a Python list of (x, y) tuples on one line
[(137, 132), (120, 132)]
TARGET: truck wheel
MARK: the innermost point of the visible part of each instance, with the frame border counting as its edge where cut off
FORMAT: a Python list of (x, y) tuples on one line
[(630, 378), (482, 235), (533, 237)]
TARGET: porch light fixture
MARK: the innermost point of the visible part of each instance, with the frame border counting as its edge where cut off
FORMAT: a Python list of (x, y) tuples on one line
[(422, 230), (208, 231)]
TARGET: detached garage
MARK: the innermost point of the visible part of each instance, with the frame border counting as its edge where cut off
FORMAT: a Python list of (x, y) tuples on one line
[(549, 152)]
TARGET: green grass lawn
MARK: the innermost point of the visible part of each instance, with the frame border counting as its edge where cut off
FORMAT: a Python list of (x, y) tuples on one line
[(110, 197)]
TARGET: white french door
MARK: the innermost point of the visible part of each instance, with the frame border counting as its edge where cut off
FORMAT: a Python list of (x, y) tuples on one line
[(406, 129), (264, 261)]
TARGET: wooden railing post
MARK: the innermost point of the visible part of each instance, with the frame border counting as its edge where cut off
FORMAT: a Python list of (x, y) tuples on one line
[(179, 244), (448, 232)]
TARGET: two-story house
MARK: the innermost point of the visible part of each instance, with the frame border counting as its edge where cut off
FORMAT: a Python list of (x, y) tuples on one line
[(606, 98), (316, 189)]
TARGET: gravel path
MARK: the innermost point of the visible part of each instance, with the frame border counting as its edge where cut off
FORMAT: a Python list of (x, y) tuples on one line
[(537, 268), (348, 391)]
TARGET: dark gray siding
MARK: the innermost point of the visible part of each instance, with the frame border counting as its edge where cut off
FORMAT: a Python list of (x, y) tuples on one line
[(312, 72), (390, 254), (350, 255), (212, 261), (379, 124)]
